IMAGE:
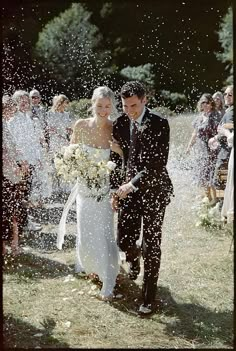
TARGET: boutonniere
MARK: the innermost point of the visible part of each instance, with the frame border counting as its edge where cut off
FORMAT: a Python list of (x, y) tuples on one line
[(141, 128)]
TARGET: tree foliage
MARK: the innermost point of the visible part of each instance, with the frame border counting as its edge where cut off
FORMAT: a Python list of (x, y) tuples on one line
[(142, 73), (225, 34), (69, 46)]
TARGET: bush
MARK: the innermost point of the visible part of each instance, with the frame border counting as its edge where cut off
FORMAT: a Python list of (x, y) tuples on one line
[(163, 111), (142, 73), (79, 108), (174, 101)]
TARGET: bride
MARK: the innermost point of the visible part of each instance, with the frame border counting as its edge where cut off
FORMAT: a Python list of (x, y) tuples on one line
[(96, 247)]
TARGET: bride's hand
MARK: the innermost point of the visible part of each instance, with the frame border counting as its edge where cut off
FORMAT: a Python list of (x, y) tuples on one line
[(114, 202), (115, 147)]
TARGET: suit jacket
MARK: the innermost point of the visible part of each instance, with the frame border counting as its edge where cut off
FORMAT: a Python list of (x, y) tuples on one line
[(149, 172)]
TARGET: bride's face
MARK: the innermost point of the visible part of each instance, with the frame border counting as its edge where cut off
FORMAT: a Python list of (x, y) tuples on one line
[(102, 107)]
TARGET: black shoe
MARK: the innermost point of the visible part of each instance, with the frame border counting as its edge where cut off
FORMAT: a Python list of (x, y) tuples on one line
[(134, 269)]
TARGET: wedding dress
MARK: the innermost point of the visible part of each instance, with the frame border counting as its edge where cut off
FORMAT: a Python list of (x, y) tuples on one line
[(96, 248)]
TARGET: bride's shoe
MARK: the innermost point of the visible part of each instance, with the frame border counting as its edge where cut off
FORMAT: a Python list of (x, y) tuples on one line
[(111, 297), (105, 298)]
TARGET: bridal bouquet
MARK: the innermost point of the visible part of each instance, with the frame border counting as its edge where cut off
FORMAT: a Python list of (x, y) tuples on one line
[(74, 162)]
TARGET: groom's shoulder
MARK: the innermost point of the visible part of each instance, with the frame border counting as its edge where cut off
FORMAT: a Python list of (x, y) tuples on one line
[(121, 120)]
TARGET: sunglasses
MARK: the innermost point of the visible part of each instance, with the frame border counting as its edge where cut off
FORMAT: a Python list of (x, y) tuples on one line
[(35, 97), (228, 94)]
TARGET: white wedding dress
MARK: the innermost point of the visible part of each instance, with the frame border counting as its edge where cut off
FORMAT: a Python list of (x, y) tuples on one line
[(96, 248)]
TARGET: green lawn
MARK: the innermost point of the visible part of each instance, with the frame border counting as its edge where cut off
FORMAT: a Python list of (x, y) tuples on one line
[(46, 305)]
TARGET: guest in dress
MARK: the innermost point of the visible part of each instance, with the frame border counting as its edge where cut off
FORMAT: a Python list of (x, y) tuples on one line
[(26, 139), (218, 97), (219, 142), (59, 125), (13, 211), (205, 127), (228, 204)]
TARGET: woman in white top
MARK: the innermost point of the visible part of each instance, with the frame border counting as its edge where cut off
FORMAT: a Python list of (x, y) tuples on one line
[(59, 129), (13, 211), (58, 124)]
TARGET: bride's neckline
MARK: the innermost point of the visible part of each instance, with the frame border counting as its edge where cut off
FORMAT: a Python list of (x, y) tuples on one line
[(97, 148)]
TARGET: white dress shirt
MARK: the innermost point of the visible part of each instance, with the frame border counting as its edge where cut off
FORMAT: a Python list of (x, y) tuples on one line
[(25, 137)]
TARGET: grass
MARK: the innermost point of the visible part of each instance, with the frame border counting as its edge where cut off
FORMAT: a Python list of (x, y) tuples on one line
[(47, 305)]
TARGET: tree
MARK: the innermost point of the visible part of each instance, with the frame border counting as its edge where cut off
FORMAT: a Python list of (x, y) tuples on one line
[(69, 46), (142, 73), (225, 34)]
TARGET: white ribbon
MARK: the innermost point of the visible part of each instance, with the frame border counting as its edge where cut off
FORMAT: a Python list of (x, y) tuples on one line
[(62, 225)]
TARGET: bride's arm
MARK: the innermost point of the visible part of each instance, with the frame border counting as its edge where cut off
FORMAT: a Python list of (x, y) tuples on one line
[(76, 132), (115, 147)]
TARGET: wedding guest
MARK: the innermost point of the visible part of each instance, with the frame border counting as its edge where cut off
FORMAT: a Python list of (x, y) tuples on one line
[(219, 142), (145, 190), (13, 211), (39, 116), (26, 139), (59, 126), (205, 127), (218, 97), (41, 184), (96, 248), (228, 203)]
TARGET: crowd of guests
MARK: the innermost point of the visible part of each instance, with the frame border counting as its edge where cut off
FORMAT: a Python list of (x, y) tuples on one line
[(212, 139), (31, 137)]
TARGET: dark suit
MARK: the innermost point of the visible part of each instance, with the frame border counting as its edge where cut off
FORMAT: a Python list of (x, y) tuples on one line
[(148, 173)]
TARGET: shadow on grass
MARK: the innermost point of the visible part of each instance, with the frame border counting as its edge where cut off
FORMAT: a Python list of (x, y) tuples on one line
[(46, 241), (195, 322), (191, 321), (20, 334), (29, 266), (51, 215)]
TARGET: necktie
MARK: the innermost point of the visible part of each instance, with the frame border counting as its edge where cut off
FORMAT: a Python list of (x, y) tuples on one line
[(132, 149)]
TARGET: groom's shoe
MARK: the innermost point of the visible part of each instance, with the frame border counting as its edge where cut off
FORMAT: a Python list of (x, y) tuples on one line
[(134, 269), (145, 310)]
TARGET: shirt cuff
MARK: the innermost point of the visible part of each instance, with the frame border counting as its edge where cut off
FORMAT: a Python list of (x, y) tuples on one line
[(134, 187)]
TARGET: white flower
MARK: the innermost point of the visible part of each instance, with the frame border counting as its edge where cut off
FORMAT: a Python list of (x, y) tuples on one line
[(68, 153), (111, 165), (141, 128)]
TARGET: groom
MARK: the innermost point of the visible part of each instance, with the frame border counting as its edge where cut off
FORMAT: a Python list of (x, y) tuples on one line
[(145, 190)]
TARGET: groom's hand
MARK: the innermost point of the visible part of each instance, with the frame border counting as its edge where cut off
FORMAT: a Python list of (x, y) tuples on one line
[(124, 190)]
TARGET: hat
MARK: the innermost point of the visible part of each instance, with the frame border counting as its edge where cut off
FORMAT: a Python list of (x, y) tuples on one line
[(35, 92)]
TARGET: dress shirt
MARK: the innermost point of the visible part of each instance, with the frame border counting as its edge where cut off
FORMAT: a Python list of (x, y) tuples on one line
[(138, 121), (26, 139)]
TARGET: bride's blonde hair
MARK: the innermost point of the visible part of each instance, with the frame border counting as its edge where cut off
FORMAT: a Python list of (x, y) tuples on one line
[(105, 92)]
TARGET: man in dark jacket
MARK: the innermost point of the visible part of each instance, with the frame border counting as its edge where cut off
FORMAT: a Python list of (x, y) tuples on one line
[(145, 189)]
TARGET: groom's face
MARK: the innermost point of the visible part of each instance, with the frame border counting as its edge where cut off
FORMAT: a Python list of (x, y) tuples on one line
[(133, 106)]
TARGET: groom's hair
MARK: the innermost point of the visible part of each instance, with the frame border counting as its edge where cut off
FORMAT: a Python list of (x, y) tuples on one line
[(133, 88)]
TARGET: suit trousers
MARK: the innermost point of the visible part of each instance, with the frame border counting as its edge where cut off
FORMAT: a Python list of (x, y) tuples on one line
[(149, 209)]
